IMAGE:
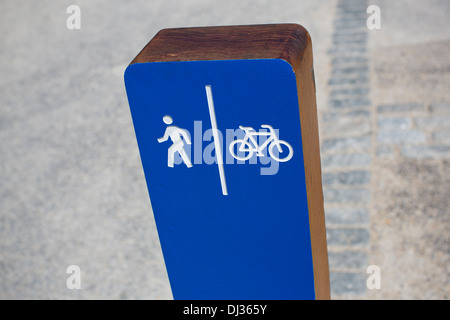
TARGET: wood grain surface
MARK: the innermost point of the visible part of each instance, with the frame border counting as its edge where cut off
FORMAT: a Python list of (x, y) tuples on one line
[(313, 173), (280, 41)]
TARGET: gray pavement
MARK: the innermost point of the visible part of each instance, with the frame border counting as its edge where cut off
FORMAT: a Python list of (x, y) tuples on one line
[(411, 106), (73, 190)]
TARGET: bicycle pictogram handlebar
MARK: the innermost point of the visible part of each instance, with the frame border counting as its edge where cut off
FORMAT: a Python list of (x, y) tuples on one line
[(249, 145)]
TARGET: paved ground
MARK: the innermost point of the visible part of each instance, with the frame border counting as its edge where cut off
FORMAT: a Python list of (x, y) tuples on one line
[(385, 151), (73, 190), (411, 103)]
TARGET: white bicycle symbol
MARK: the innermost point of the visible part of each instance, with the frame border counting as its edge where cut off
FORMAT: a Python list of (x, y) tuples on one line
[(250, 145)]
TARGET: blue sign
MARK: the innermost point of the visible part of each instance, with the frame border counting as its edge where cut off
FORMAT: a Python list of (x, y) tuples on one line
[(220, 144)]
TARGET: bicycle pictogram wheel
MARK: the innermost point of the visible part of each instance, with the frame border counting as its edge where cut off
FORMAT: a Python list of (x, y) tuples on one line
[(242, 146), (282, 147)]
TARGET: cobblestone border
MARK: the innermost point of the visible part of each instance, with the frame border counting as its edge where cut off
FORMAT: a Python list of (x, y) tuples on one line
[(354, 135), (413, 130), (346, 145)]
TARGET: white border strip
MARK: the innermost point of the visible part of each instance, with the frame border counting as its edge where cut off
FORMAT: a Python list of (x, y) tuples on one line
[(217, 145)]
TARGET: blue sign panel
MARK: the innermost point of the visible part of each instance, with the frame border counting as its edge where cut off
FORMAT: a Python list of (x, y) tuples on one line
[(220, 144)]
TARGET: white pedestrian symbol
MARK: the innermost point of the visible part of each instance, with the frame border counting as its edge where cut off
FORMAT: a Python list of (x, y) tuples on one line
[(248, 146), (175, 134)]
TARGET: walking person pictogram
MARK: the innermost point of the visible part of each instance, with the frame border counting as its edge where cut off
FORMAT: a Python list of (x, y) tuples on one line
[(175, 134)]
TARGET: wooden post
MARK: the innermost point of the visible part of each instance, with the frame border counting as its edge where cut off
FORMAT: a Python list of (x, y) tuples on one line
[(226, 123)]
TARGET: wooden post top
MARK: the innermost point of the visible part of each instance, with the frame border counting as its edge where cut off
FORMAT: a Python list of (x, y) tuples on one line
[(271, 41)]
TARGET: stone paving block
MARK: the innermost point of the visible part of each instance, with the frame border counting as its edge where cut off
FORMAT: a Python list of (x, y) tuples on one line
[(360, 5), (385, 151), (442, 136), (347, 216), (356, 22), (349, 61), (355, 9), (354, 49), (352, 160), (344, 37), (346, 127), (348, 259), (441, 107), (348, 237), (350, 54), (400, 107), (349, 41), (350, 70), (351, 12), (433, 122), (348, 284), (357, 177), (348, 80), (353, 92), (352, 17), (352, 195), (394, 123), (353, 103), (353, 6), (401, 136), (424, 151), (346, 74), (352, 114), (349, 35), (351, 3), (348, 26), (346, 144)]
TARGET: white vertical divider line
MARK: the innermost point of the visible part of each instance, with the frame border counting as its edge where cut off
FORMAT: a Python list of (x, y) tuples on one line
[(217, 144)]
